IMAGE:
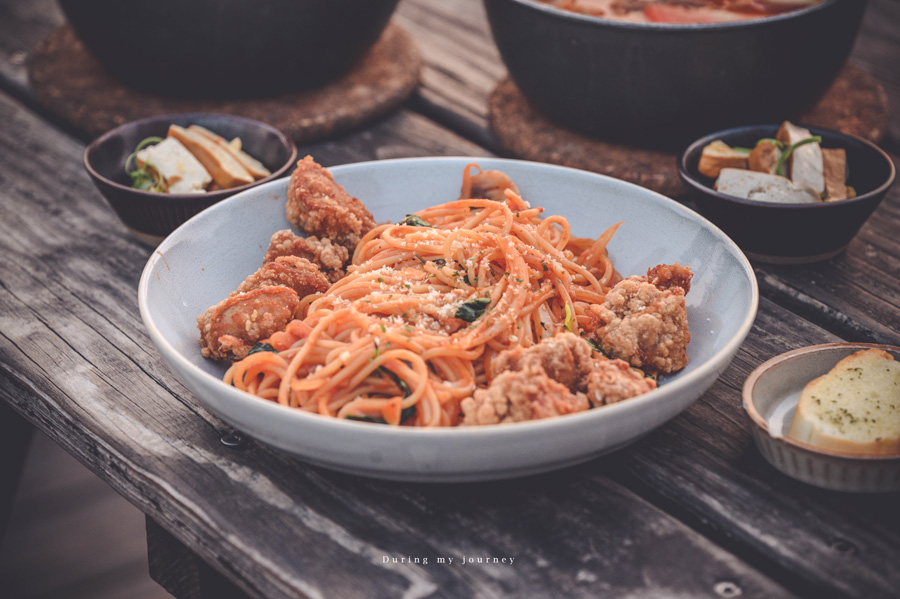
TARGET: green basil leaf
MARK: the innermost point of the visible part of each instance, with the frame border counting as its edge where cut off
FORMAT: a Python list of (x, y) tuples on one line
[(260, 346), (472, 309), (414, 220), (407, 413), (397, 381), (366, 419)]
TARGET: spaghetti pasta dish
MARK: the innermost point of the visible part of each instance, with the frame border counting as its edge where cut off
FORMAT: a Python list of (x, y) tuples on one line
[(481, 310)]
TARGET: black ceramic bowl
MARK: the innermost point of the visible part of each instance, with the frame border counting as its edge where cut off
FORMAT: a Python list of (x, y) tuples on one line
[(150, 216), (792, 233), (649, 84), (216, 48)]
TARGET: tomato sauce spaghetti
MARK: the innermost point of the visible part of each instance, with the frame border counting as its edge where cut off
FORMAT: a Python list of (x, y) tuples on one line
[(411, 330)]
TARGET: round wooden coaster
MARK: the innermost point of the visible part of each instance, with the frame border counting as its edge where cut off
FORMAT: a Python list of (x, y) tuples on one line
[(69, 82), (855, 104)]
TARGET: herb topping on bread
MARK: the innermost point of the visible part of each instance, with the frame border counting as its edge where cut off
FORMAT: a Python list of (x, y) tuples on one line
[(854, 408)]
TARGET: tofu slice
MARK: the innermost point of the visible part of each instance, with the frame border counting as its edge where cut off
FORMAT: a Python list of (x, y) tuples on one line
[(763, 187), (718, 155), (806, 161), (253, 166), (225, 170), (835, 170), (175, 165), (764, 157)]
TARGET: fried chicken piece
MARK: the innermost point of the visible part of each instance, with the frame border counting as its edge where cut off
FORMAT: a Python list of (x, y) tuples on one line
[(565, 358), (557, 376), (516, 396), (231, 327), (328, 256), (612, 381), (644, 325), (292, 272), (320, 206), (666, 276)]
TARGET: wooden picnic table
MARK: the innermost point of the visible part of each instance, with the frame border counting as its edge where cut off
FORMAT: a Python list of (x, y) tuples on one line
[(691, 510)]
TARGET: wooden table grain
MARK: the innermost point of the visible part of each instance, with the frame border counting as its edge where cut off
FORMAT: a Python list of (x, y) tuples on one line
[(692, 510)]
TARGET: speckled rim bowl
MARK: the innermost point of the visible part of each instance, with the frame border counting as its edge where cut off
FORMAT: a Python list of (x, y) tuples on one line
[(791, 233), (151, 216), (183, 278), (770, 396)]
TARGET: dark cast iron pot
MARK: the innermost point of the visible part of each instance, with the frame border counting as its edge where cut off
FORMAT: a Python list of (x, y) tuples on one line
[(649, 84), (230, 48)]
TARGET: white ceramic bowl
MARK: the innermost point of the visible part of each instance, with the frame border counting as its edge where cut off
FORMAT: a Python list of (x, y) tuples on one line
[(206, 258), (771, 394)]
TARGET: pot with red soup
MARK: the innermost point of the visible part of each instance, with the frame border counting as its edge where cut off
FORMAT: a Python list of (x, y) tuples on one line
[(681, 11), (617, 68)]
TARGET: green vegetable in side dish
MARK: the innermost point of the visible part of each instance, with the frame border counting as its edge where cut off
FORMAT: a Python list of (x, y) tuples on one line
[(142, 177), (779, 170), (773, 141), (472, 309)]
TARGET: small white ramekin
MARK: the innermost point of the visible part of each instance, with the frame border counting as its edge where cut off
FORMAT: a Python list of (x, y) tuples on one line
[(770, 396)]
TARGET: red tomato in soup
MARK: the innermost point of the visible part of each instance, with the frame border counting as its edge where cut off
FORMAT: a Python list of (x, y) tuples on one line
[(665, 13)]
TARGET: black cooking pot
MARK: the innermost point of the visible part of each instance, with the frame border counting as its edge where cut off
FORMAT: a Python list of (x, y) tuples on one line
[(648, 82), (215, 48)]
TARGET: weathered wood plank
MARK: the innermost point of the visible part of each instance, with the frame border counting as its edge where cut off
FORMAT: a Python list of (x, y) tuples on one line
[(461, 63), (403, 135), (76, 361)]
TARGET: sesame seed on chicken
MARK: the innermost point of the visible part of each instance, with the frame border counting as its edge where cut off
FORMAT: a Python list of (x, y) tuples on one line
[(646, 324), (320, 206)]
